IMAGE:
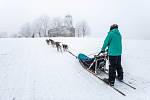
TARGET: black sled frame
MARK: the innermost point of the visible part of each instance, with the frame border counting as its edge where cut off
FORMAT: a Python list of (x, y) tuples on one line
[(98, 64)]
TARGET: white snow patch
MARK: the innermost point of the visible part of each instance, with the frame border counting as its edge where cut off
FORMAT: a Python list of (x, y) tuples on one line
[(32, 70)]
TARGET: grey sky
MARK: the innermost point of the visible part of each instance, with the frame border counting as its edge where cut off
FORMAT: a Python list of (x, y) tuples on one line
[(133, 16)]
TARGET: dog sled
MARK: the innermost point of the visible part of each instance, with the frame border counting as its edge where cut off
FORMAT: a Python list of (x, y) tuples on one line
[(95, 64)]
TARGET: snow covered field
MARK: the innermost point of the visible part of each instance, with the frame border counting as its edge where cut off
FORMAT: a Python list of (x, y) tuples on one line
[(32, 70)]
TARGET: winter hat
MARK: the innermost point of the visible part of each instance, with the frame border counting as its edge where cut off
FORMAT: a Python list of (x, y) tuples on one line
[(113, 26)]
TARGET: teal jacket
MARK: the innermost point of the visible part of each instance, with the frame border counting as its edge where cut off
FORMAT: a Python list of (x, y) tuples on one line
[(114, 43)]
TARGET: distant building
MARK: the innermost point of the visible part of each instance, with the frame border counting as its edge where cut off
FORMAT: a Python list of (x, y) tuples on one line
[(62, 31), (66, 30)]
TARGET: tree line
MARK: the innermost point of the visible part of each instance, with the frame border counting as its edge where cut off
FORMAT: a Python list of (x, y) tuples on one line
[(40, 26)]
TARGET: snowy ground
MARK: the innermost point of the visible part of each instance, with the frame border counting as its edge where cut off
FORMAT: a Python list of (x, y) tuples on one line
[(32, 70)]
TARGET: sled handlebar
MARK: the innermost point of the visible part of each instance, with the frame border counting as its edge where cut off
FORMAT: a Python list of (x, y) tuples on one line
[(103, 52)]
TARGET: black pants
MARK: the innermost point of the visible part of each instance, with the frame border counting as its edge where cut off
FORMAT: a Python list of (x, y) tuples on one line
[(115, 65)]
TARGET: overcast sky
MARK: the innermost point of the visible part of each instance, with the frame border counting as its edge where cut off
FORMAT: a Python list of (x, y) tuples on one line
[(132, 16)]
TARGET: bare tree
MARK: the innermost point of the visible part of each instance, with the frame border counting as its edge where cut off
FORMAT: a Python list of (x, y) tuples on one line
[(77, 31), (56, 22), (45, 21), (82, 29), (25, 30), (37, 28), (40, 26)]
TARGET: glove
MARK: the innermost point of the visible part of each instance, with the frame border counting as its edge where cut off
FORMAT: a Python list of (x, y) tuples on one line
[(102, 52), (96, 56)]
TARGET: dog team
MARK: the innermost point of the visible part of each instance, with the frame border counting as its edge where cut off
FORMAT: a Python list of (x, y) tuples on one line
[(57, 44)]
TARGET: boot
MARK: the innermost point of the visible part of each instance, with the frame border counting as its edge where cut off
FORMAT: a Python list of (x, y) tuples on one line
[(120, 78), (108, 82)]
